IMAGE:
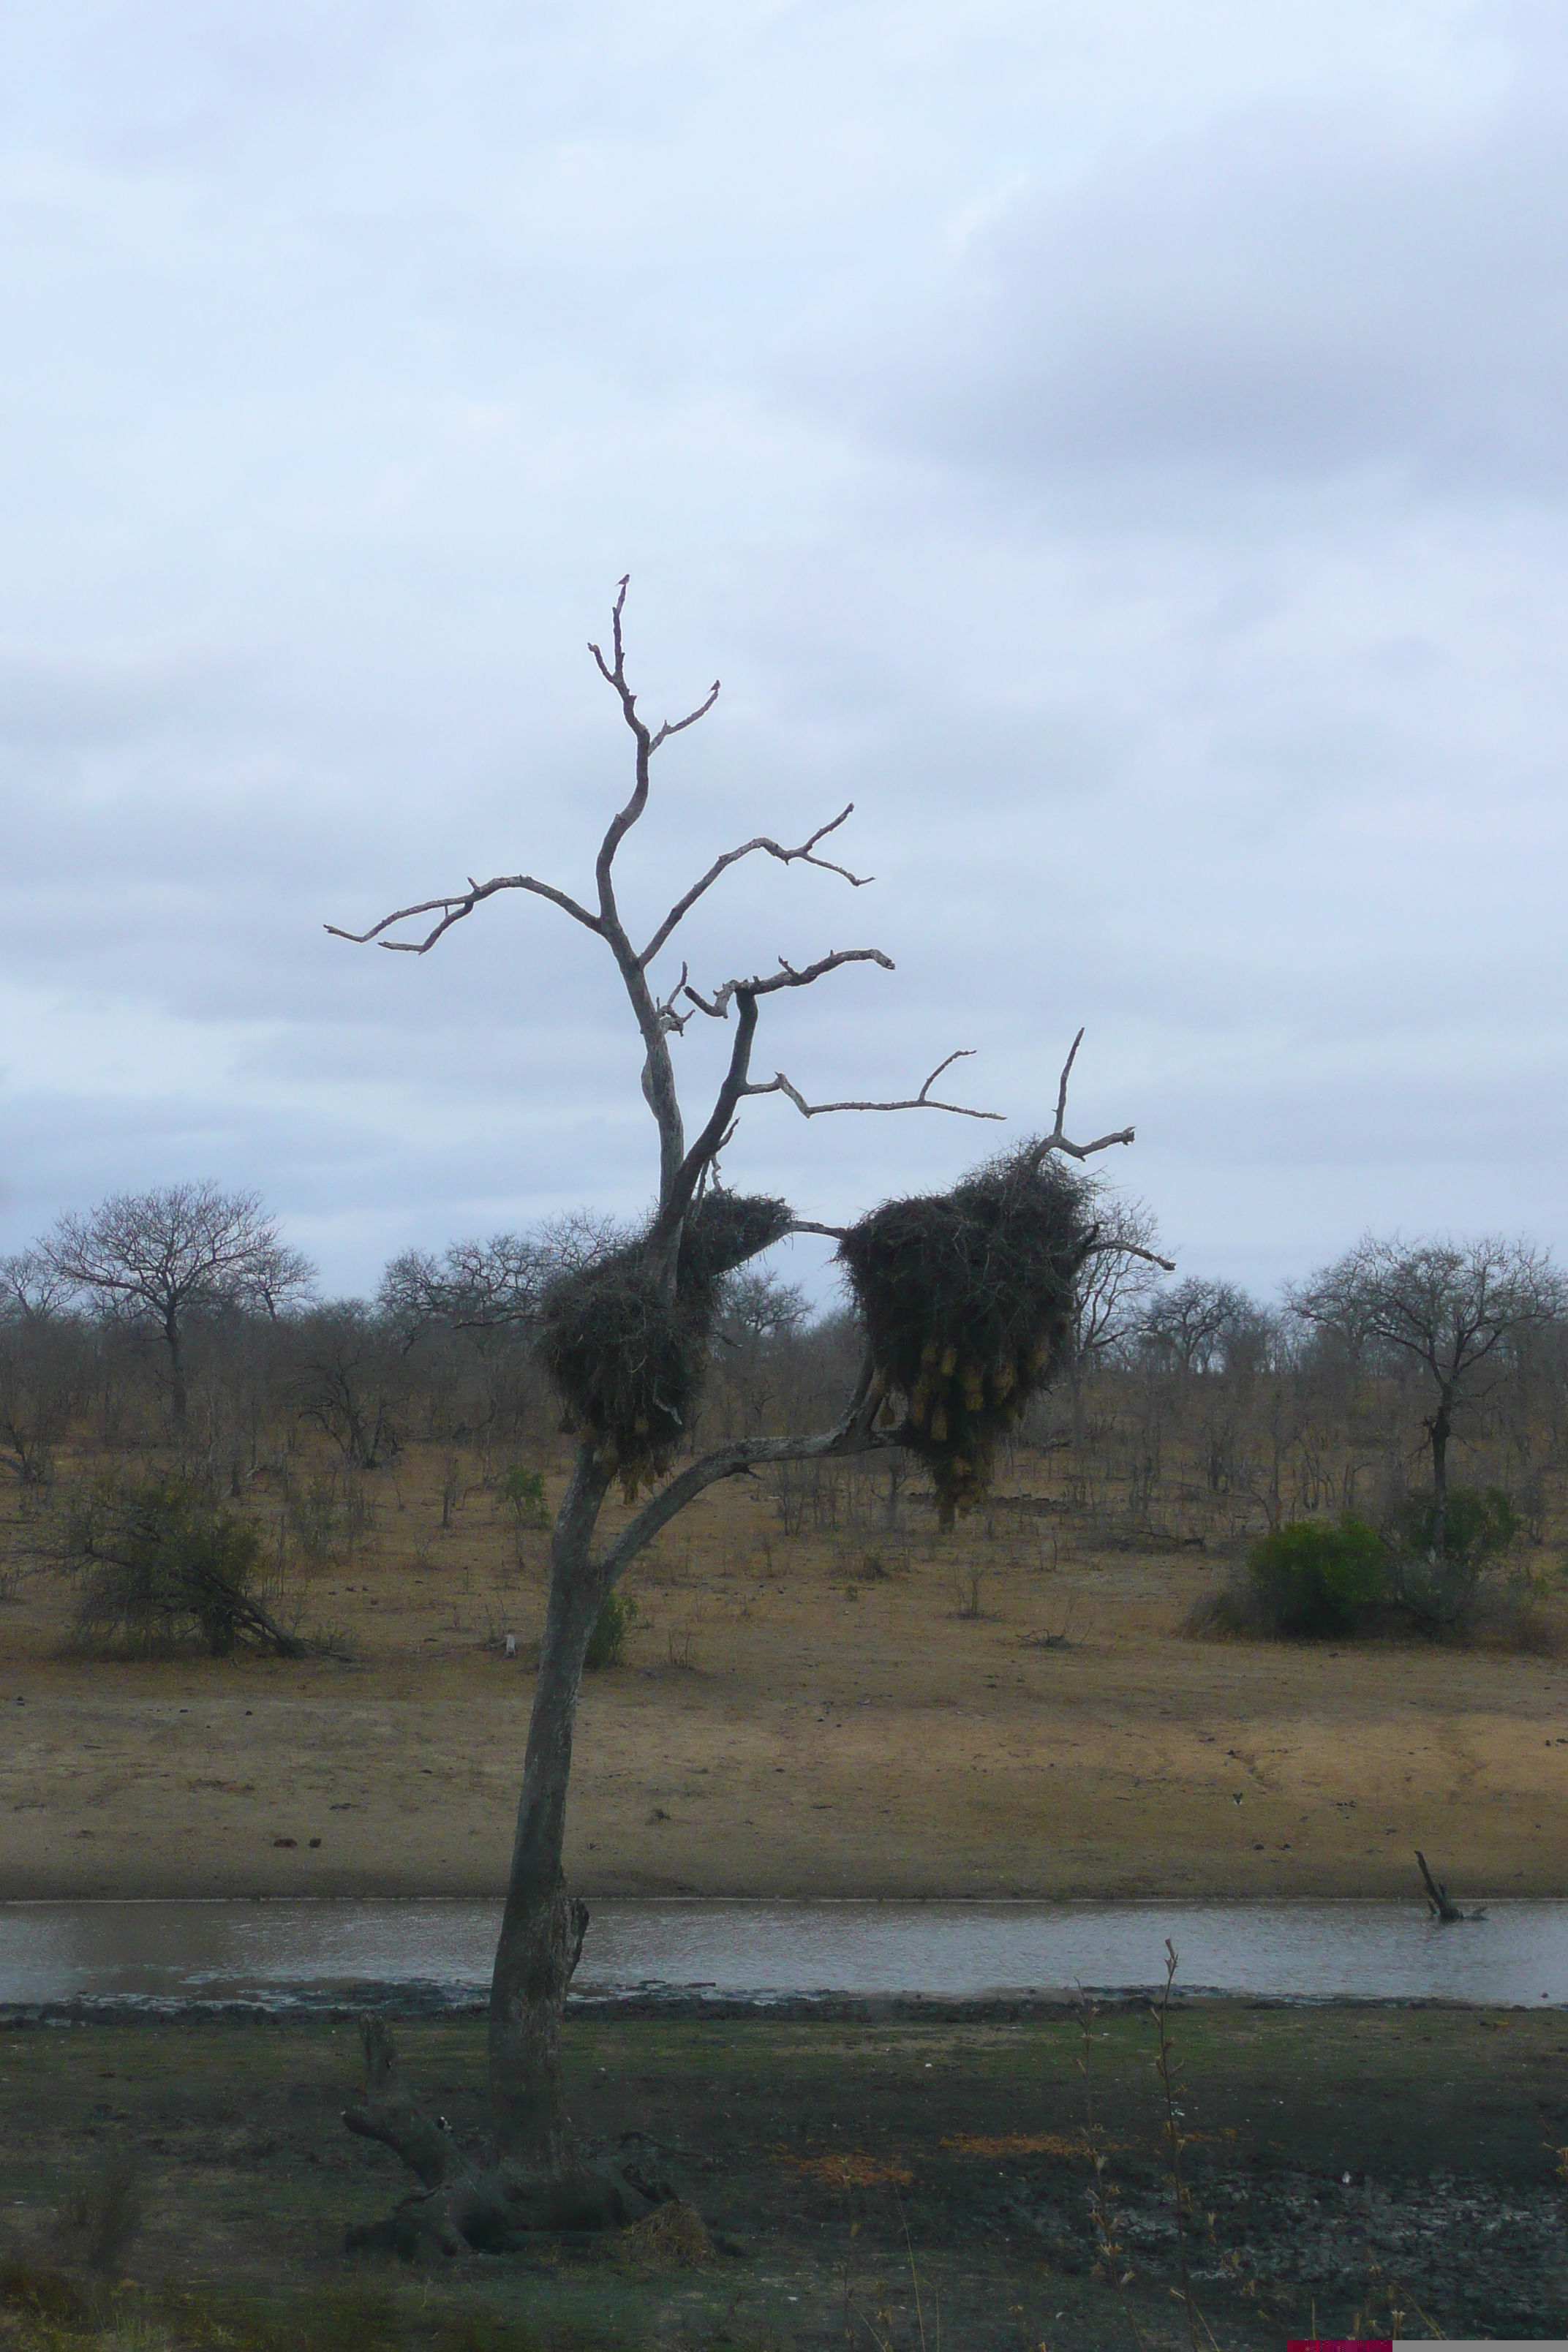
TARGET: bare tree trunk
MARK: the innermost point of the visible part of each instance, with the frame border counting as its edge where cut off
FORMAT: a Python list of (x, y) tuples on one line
[(1439, 1429), (542, 1927), (178, 1401)]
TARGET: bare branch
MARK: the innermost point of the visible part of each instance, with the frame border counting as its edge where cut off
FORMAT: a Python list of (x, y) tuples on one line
[(1129, 1249), (924, 1100), (852, 1434), (788, 977), (454, 909), (677, 726), (678, 1192), (717, 1007), (683, 906), (669, 1020), (1056, 1140)]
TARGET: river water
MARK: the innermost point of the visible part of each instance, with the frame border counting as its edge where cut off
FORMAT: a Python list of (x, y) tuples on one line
[(289, 1952)]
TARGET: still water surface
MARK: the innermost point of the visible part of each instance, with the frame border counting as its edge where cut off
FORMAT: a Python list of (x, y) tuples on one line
[(289, 1951)]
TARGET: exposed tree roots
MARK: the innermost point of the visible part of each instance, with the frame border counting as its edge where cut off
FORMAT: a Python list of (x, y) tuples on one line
[(462, 2206)]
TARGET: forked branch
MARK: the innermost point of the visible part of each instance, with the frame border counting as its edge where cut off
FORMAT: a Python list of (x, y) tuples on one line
[(452, 910), (1058, 1139), (616, 676), (925, 1100), (802, 855), (716, 1006)]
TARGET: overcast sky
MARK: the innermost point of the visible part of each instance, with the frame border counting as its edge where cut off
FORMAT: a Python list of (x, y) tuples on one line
[(1123, 447)]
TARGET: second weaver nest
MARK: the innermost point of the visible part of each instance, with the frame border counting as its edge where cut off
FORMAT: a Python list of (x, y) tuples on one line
[(966, 1298)]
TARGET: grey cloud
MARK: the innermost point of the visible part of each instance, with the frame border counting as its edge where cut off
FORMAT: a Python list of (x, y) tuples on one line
[(1296, 298), (350, 372), (55, 698)]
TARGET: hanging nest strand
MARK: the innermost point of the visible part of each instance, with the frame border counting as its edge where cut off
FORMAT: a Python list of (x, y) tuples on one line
[(966, 1298), (627, 1360)]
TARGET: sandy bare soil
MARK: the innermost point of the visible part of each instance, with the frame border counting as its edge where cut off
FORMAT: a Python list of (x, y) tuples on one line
[(801, 1715)]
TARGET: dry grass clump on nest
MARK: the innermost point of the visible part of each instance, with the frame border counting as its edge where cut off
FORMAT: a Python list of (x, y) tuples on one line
[(966, 1298), (628, 1359)]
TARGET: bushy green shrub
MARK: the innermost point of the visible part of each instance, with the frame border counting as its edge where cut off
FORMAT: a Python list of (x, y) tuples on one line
[(1307, 1579), (524, 1490), (607, 1642), (1479, 1523), (1439, 1588)]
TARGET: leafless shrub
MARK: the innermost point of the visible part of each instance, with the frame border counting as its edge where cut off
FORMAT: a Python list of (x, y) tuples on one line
[(967, 1580), (807, 1494), (1518, 1614), (1111, 2262), (878, 1564), (1221, 1616), (159, 1564)]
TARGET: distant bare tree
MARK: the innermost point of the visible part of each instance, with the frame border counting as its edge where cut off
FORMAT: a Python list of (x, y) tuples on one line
[(164, 1256), (628, 1338), (1190, 1324), (1119, 1278), (473, 1285), (1115, 1285), (31, 1290), (43, 1365), (1446, 1306), (758, 1315), (349, 1378)]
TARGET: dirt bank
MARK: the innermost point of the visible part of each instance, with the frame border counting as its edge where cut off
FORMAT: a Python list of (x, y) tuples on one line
[(850, 1713)]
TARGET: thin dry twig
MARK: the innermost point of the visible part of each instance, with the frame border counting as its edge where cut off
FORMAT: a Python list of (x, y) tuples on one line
[(1167, 2065), (1113, 2260), (617, 677), (716, 1006), (1130, 1249)]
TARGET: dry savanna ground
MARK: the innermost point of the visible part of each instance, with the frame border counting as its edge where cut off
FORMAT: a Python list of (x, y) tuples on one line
[(870, 1709), (882, 2181)]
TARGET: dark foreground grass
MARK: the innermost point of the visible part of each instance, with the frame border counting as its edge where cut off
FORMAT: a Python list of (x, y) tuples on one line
[(186, 2183)]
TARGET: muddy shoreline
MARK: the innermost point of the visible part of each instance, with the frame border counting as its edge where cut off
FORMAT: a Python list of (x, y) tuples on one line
[(415, 2002)]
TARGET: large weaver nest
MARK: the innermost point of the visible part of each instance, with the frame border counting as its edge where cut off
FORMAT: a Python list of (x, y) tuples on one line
[(966, 1298), (627, 1360)]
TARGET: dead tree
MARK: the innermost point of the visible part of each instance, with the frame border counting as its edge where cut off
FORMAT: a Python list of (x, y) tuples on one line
[(626, 1336), (1439, 1903)]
